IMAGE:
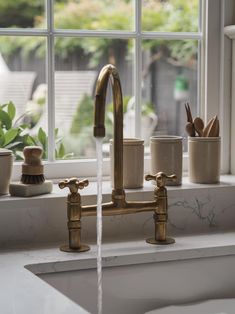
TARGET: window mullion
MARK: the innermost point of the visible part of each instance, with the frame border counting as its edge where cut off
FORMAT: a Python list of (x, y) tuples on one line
[(50, 81), (23, 32), (138, 69), (172, 35)]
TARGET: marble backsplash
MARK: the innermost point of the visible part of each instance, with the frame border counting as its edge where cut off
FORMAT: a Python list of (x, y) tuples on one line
[(192, 209)]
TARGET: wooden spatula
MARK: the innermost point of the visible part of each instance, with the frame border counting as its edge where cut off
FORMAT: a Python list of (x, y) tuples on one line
[(214, 128), (207, 128)]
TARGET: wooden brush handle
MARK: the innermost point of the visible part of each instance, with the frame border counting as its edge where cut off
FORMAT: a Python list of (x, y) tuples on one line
[(32, 163)]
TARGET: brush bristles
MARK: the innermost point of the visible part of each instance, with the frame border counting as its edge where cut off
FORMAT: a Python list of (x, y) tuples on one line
[(35, 179)]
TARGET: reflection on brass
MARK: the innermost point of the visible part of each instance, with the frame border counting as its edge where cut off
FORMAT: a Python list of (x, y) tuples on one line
[(74, 215), (109, 72), (118, 205), (160, 212)]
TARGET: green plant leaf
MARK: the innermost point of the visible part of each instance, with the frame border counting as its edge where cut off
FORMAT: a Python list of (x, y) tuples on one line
[(24, 126), (3, 106), (42, 137), (11, 110), (2, 137), (5, 119), (19, 155), (16, 123), (13, 145), (61, 151), (29, 140), (10, 135), (56, 132), (58, 140)]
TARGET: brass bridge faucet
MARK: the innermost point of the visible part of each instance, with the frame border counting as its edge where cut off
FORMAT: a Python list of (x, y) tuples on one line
[(118, 204)]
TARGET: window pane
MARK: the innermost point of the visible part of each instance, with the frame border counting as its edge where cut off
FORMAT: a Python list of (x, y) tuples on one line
[(94, 14), (170, 15), (78, 62), (22, 13), (23, 82), (169, 80)]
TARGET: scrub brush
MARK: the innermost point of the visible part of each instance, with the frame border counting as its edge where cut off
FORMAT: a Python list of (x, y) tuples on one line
[(32, 168), (32, 181)]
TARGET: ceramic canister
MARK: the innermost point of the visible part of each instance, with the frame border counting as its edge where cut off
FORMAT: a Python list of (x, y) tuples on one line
[(133, 163), (204, 159), (6, 163), (166, 156)]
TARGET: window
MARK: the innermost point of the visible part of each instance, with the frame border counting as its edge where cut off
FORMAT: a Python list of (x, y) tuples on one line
[(51, 53)]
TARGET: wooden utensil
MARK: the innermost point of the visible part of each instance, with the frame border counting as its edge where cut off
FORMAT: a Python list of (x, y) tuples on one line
[(190, 129), (214, 128), (188, 113), (207, 128), (198, 125), (189, 126), (217, 129)]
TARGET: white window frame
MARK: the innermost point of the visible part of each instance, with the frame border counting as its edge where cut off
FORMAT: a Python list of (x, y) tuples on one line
[(209, 104), (216, 83)]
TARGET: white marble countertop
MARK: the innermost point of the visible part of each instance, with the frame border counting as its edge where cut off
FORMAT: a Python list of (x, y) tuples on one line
[(91, 191), (22, 292)]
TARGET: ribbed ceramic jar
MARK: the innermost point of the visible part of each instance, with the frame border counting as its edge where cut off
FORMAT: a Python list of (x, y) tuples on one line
[(166, 156), (6, 163), (204, 159), (133, 163)]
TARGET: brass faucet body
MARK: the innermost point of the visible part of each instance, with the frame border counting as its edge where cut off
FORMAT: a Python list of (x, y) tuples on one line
[(118, 204), (110, 73), (74, 213)]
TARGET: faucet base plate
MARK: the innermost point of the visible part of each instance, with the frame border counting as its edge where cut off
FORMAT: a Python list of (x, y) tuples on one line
[(82, 248), (154, 241)]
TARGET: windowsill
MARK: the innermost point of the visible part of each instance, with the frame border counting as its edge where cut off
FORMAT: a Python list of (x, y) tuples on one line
[(81, 168), (90, 192)]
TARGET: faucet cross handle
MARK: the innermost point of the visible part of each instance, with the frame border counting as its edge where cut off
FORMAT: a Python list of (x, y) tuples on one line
[(73, 184), (160, 178), (74, 213)]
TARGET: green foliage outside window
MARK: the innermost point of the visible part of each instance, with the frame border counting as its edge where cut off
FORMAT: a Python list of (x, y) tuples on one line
[(21, 13), (167, 16)]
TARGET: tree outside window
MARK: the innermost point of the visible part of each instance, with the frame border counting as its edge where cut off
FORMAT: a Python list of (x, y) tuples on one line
[(169, 73)]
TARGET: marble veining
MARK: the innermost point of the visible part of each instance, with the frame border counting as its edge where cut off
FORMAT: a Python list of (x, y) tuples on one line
[(193, 209), (204, 210)]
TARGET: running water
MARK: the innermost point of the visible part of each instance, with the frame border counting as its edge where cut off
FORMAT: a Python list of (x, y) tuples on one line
[(99, 222)]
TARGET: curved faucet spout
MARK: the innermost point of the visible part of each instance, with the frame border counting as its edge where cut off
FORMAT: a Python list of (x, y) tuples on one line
[(109, 72), (118, 205)]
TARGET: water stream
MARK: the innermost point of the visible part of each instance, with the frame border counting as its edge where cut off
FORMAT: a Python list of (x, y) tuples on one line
[(99, 223)]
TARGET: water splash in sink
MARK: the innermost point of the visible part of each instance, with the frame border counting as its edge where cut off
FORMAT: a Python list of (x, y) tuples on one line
[(99, 223)]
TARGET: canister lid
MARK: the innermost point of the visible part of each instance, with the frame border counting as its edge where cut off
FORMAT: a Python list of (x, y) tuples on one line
[(130, 141), (5, 152), (166, 138)]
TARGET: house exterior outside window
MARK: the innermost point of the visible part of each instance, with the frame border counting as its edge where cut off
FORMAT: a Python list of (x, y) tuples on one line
[(165, 52)]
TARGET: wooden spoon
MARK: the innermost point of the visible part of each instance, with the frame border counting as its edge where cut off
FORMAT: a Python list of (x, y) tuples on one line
[(189, 126), (190, 129), (188, 113), (214, 129), (198, 125), (207, 128)]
